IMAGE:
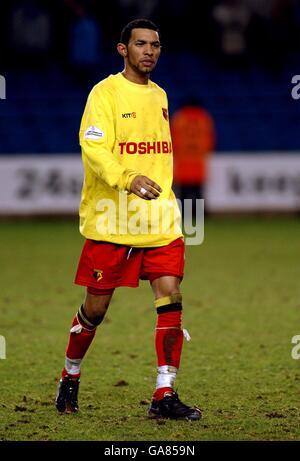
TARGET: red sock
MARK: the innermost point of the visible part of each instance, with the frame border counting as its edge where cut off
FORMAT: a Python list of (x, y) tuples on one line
[(168, 343), (168, 339), (160, 393), (79, 343)]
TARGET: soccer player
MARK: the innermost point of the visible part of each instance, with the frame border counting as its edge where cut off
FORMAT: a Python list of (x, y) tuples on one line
[(127, 157)]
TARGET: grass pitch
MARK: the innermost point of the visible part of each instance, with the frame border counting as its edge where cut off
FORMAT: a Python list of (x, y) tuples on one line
[(241, 307)]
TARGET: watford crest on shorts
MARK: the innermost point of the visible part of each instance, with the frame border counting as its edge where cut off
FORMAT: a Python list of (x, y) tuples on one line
[(98, 275)]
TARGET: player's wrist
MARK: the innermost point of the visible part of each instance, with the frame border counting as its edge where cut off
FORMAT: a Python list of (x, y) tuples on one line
[(130, 180)]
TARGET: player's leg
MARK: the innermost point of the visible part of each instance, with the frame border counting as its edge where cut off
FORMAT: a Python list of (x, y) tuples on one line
[(102, 267), (168, 344), (83, 329), (88, 317), (168, 333)]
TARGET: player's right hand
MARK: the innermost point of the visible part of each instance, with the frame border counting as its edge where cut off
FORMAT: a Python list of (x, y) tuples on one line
[(145, 188)]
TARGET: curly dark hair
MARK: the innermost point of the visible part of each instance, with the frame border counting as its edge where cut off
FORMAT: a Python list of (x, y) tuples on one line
[(137, 24)]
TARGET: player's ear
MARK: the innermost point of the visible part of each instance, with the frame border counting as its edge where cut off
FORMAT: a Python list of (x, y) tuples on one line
[(122, 49)]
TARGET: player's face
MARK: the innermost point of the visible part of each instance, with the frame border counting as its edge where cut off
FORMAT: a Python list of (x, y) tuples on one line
[(143, 50)]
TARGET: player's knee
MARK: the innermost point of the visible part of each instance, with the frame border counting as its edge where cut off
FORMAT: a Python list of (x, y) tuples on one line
[(92, 314), (170, 303), (166, 286), (95, 307)]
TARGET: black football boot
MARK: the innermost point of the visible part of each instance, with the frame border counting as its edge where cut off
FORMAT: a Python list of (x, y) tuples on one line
[(67, 395), (171, 407)]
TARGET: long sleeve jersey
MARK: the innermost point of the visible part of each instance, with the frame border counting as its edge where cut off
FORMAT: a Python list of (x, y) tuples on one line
[(125, 132)]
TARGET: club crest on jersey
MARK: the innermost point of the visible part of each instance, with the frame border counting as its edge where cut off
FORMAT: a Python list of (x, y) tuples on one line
[(165, 113), (98, 275)]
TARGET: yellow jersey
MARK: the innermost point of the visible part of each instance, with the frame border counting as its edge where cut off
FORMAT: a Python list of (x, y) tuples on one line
[(125, 132)]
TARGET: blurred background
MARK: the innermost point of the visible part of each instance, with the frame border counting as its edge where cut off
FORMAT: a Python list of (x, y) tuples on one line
[(234, 59), (232, 71)]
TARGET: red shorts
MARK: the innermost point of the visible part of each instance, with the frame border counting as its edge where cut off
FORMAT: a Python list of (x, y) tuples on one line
[(106, 265)]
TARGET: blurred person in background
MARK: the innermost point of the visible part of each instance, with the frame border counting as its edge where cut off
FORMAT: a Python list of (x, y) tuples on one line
[(232, 19), (30, 24), (85, 49), (194, 140), (126, 141), (273, 32), (138, 8)]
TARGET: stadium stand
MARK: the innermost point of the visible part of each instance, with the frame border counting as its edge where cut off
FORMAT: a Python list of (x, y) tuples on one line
[(247, 88), (253, 108)]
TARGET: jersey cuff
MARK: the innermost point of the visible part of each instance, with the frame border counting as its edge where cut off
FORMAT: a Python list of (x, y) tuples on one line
[(131, 177)]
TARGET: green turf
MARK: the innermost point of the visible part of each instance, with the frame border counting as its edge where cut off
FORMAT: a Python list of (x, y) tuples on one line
[(241, 307)]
